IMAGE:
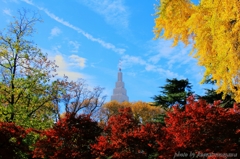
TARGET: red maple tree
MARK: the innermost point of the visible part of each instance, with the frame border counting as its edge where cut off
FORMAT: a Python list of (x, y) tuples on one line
[(202, 130), (69, 138), (12, 143), (125, 137)]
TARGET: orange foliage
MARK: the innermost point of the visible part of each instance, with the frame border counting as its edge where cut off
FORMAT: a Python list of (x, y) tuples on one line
[(142, 111)]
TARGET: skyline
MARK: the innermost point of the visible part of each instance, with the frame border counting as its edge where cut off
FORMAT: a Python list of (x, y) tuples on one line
[(87, 39)]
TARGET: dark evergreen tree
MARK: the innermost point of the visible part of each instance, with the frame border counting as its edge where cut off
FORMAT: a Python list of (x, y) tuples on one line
[(211, 96), (174, 92)]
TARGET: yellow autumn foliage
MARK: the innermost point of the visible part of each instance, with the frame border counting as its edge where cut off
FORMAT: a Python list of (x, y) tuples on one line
[(212, 28), (142, 111)]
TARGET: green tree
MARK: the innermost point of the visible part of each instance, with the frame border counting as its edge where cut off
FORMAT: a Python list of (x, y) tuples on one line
[(25, 73), (174, 92)]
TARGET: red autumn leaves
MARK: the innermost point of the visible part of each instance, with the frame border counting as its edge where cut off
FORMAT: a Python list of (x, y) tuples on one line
[(124, 137), (12, 142), (200, 129), (71, 137)]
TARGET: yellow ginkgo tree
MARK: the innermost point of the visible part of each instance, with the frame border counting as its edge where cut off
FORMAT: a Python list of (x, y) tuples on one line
[(212, 28)]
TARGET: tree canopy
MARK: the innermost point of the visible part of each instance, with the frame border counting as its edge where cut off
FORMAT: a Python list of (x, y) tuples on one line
[(13, 141), (25, 73), (212, 29), (124, 137), (75, 96), (142, 111), (201, 129), (211, 96), (30, 96), (174, 92), (70, 137)]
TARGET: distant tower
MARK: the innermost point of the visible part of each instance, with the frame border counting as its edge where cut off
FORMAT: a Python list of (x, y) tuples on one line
[(119, 92)]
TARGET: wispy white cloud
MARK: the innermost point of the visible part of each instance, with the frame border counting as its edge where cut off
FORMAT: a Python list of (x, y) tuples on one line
[(55, 32), (128, 61), (80, 31), (162, 50), (65, 64), (114, 12), (62, 65), (150, 67), (175, 59), (168, 73), (56, 49), (163, 59), (28, 2), (88, 36), (64, 68), (93, 64), (133, 74), (77, 61), (74, 45), (7, 12)]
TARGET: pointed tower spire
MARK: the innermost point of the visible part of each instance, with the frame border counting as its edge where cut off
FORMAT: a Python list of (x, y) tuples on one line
[(119, 92)]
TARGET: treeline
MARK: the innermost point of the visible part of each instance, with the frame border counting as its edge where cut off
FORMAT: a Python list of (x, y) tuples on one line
[(202, 130)]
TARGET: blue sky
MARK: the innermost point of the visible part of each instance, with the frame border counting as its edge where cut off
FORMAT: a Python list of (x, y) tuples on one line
[(88, 38)]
